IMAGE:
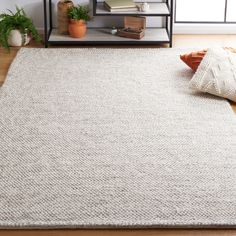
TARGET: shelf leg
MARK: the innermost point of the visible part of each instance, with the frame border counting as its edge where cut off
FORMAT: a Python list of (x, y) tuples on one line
[(171, 23), (45, 23)]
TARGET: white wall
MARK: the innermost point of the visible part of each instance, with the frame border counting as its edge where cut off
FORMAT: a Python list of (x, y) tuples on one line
[(34, 9)]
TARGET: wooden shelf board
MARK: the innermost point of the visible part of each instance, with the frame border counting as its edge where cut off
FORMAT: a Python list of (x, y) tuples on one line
[(156, 8), (103, 35)]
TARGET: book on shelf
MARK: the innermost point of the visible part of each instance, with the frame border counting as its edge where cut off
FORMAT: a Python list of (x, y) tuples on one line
[(121, 9), (120, 5)]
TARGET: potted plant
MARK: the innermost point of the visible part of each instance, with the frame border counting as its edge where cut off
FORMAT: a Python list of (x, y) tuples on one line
[(78, 16), (16, 29)]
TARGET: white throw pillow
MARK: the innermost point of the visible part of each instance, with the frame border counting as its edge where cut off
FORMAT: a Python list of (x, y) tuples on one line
[(216, 74)]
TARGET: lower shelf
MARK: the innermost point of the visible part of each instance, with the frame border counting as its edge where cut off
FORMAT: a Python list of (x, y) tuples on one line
[(103, 36)]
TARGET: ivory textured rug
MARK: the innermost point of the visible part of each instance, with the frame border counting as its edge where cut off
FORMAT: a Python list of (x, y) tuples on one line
[(113, 137)]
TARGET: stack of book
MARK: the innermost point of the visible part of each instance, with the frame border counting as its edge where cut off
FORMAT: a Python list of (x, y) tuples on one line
[(120, 5)]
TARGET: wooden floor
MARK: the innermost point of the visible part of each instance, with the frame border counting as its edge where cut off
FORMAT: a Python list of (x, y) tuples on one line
[(180, 41), (119, 232)]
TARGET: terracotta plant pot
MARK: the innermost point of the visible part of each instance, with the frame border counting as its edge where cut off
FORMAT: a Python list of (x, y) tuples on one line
[(77, 28)]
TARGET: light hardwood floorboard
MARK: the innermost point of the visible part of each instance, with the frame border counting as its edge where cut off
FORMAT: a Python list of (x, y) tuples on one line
[(180, 41), (121, 232), (204, 41)]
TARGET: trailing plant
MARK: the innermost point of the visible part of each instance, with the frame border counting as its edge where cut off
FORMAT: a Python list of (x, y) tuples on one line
[(78, 13), (19, 20)]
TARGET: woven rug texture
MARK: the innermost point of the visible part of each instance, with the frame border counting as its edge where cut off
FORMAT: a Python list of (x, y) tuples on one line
[(101, 138)]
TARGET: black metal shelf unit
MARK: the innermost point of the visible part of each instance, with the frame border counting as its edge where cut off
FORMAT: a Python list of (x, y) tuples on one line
[(101, 36)]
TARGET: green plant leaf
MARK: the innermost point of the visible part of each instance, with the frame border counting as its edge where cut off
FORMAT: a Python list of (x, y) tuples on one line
[(78, 13)]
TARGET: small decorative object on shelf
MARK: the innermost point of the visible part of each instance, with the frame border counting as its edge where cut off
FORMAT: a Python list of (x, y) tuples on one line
[(113, 30), (144, 7), (62, 19), (16, 29), (134, 27), (78, 16)]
